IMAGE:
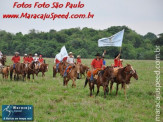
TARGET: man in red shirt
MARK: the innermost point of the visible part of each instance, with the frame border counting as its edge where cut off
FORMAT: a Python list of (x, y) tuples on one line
[(15, 59), (117, 61), (41, 60), (97, 64), (30, 58), (78, 60)]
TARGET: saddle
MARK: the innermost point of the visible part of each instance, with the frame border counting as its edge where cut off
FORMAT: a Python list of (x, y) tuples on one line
[(69, 69), (95, 72)]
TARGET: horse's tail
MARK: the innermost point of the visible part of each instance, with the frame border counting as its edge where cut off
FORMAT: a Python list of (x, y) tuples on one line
[(86, 81)]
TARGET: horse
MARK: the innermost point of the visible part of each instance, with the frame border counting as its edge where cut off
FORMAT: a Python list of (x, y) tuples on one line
[(19, 70), (3, 60), (82, 69), (5, 72), (71, 74), (59, 70), (123, 77), (31, 70), (104, 76), (42, 68)]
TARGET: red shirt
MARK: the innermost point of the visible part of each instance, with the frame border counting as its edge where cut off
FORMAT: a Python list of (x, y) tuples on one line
[(30, 59), (16, 59), (78, 60), (41, 60), (97, 63), (57, 61), (116, 62), (120, 64), (25, 59), (65, 58)]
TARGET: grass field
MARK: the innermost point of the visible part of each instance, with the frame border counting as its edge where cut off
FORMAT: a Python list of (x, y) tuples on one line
[(54, 102)]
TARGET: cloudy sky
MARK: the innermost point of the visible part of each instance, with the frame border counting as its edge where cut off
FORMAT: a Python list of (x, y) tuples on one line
[(140, 15)]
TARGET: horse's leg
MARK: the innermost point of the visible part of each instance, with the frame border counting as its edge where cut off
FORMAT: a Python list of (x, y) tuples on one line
[(107, 89), (11, 72), (98, 87), (111, 86), (90, 87), (33, 77), (64, 81), (104, 87), (122, 86), (117, 89)]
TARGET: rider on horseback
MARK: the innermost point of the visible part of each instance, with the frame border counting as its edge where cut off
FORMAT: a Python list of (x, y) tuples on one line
[(97, 64), (25, 60), (30, 59), (41, 60), (15, 59), (78, 60), (70, 61)]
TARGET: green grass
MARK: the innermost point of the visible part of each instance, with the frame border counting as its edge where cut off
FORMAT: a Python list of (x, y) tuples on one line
[(54, 102)]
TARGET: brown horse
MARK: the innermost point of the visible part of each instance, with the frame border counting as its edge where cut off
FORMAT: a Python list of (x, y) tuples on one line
[(71, 74), (103, 79), (5, 72), (19, 70), (42, 68), (31, 70), (59, 70), (123, 77), (83, 69), (3, 60)]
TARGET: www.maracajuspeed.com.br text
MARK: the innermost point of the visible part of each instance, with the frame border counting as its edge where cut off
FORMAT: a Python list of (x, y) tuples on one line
[(52, 16)]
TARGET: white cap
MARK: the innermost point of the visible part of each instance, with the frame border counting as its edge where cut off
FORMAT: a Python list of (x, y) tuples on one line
[(35, 54), (25, 54)]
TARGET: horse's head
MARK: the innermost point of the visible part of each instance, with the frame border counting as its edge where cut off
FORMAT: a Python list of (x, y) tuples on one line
[(4, 58), (135, 75), (46, 67), (78, 66), (129, 69)]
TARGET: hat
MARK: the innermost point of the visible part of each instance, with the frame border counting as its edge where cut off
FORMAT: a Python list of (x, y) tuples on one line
[(25, 54), (121, 59), (98, 54), (70, 53), (40, 55), (35, 54), (78, 56), (17, 53), (30, 54)]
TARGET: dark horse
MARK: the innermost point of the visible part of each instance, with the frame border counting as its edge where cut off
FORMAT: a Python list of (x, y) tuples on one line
[(19, 70), (3, 60), (103, 79), (123, 77), (42, 68)]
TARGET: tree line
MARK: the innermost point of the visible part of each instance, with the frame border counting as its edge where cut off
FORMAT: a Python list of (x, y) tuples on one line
[(82, 42)]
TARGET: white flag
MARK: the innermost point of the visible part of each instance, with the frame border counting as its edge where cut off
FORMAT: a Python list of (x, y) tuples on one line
[(63, 53), (115, 40)]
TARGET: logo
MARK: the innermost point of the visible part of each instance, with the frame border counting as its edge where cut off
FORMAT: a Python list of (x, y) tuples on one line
[(17, 112)]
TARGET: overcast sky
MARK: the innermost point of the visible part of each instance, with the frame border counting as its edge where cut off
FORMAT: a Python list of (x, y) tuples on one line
[(140, 15)]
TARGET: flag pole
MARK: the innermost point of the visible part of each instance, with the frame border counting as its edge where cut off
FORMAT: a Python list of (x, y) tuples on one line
[(120, 49)]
